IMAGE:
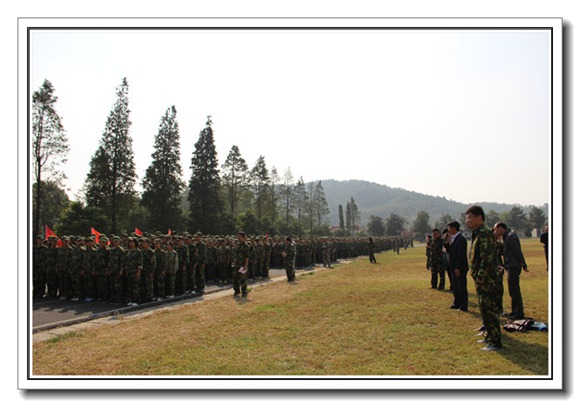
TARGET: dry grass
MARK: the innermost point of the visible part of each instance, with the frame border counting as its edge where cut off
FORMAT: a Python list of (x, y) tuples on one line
[(356, 319)]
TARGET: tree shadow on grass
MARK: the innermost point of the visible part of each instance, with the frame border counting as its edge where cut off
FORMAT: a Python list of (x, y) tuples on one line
[(529, 356)]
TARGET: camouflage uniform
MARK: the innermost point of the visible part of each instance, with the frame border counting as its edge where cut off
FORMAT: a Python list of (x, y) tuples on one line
[(171, 267), (191, 264), (210, 268), (63, 265), (102, 271), (90, 276), (76, 272), (242, 252), (201, 261), (483, 262), (134, 267), (51, 265), (289, 255), (39, 268), (148, 274), (372, 258), (116, 271), (437, 266), (160, 266), (267, 258), (260, 255), (182, 260), (326, 254), (222, 257)]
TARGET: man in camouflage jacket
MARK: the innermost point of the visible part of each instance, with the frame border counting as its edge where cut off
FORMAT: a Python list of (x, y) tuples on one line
[(483, 262)]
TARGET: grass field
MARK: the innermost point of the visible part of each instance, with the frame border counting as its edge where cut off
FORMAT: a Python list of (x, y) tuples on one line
[(355, 319)]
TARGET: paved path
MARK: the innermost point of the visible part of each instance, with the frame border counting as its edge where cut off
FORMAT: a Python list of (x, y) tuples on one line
[(51, 318)]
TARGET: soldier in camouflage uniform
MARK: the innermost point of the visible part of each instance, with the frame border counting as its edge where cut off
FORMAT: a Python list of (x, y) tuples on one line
[(90, 276), (76, 270), (191, 263), (134, 268), (51, 265), (289, 256), (241, 262), (483, 262), (160, 266), (182, 259), (437, 265), (38, 267), (210, 268), (222, 257), (267, 256), (116, 269), (102, 269), (260, 255), (372, 257), (201, 261), (326, 249), (63, 266), (148, 273), (171, 267)]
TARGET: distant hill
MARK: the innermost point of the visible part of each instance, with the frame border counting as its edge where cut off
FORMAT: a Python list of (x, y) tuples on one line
[(381, 200)]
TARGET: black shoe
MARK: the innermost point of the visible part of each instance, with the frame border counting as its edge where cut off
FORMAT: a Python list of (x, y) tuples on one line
[(462, 309), (453, 307), (244, 295), (236, 293), (481, 329)]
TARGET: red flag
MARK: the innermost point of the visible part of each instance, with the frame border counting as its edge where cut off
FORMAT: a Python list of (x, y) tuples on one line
[(138, 232), (97, 235), (169, 232), (48, 233)]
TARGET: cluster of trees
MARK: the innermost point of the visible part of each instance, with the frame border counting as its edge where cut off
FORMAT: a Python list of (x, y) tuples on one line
[(516, 219), (215, 201)]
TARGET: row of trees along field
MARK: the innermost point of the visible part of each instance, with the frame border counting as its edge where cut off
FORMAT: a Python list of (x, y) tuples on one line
[(516, 219), (215, 201)]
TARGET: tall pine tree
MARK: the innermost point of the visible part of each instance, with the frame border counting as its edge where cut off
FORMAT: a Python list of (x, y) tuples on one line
[(111, 179), (260, 185), (162, 183), (205, 204), (320, 204), (49, 145), (235, 178)]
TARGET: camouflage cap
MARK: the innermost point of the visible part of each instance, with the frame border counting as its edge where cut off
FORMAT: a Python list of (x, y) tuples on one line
[(115, 237), (40, 237), (198, 234)]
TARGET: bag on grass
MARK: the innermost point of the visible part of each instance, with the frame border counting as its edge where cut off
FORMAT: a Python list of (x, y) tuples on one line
[(520, 325)]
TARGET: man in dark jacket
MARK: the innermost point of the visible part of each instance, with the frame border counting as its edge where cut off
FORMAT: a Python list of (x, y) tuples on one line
[(514, 261), (458, 266)]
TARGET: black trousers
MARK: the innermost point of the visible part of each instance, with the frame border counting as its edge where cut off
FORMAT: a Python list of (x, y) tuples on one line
[(513, 280), (460, 290)]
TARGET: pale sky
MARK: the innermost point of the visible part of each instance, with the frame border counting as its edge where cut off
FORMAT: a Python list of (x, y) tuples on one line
[(414, 109)]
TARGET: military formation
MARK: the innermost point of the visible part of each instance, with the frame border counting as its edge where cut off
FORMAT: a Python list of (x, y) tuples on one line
[(133, 269)]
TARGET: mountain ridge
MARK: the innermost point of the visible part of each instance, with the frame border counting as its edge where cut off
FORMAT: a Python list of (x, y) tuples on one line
[(380, 200)]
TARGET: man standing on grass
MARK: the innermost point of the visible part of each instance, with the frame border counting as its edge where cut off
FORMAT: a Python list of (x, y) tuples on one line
[(458, 265), (513, 263), (289, 255), (437, 267), (484, 270), (241, 261)]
